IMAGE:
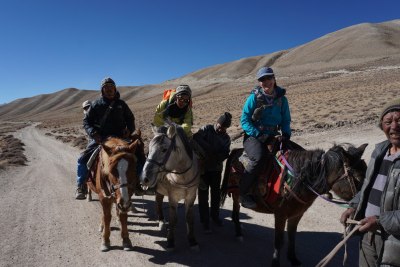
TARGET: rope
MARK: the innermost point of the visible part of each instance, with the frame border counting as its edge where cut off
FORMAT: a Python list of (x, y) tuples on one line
[(329, 257)]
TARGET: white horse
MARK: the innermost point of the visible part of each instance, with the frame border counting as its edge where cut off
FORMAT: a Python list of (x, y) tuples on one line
[(172, 167)]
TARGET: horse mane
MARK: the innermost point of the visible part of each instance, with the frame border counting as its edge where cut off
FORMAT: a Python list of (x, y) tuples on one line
[(314, 166), (185, 141), (308, 168)]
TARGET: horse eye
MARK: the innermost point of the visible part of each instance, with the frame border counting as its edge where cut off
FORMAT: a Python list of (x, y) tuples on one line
[(163, 150)]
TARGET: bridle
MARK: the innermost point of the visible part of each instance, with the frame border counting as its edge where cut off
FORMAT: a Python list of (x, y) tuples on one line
[(347, 175), (112, 188), (161, 165), (163, 169)]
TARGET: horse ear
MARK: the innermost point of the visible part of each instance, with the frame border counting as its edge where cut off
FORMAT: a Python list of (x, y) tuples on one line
[(132, 147), (107, 149), (137, 134), (154, 128), (361, 149), (171, 131)]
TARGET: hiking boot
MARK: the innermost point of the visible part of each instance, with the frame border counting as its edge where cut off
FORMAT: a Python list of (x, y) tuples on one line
[(80, 193), (248, 202)]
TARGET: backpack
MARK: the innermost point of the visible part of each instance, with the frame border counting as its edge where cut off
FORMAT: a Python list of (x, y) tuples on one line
[(167, 93)]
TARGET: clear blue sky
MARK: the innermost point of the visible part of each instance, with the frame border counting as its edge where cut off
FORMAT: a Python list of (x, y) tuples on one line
[(49, 45)]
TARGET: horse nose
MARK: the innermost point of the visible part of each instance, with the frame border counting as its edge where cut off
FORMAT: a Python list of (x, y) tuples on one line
[(146, 181)]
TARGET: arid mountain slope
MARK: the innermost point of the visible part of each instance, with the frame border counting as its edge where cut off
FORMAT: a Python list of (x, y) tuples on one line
[(340, 79)]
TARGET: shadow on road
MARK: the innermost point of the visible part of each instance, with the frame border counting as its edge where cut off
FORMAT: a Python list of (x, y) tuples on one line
[(221, 248)]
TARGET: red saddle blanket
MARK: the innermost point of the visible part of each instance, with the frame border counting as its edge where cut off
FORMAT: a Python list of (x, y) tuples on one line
[(270, 181)]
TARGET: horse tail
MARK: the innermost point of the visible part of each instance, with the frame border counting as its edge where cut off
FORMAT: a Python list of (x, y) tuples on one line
[(224, 186)]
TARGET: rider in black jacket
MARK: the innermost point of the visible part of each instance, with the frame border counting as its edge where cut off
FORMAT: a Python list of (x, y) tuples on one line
[(107, 116)]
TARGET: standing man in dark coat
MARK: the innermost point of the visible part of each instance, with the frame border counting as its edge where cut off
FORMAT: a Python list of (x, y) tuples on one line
[(377, 205), (215, 144), (107, 116)]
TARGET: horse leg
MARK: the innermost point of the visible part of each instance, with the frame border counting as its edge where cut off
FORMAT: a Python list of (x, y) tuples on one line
[(159, 211), (235, 216), (126, 242), (173, 205), (292, 230), (190, 222), (107, 204), (89, 195), (280, 222)]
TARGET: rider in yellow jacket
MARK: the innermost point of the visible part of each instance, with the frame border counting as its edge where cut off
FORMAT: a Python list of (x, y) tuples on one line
[(177, 108)]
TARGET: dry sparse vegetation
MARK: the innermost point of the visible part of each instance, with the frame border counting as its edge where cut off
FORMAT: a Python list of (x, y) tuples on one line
[(11, 148)]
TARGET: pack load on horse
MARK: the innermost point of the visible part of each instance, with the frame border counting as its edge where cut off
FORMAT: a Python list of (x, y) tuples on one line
[(290, 182), (114, 178), (172, 168)]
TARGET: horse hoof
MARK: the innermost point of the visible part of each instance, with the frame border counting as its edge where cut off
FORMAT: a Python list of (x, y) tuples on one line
[(128, 248), (105, 247), (162, 226), (100, 228), (127, 245)]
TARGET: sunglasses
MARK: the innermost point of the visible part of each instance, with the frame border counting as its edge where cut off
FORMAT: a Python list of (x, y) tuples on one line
[(267, 77), (184, 100)]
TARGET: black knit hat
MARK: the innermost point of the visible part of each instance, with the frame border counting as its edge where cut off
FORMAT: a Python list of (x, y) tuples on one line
[(225, 120), (391, 106), (107, 80)]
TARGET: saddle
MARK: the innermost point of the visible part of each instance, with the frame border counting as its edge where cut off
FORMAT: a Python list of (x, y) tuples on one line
[(272, 179)]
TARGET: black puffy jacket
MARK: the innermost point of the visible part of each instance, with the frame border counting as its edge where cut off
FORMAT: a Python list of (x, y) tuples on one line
[(119, 118)]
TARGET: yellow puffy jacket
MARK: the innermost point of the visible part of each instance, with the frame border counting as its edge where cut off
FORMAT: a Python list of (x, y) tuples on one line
[(186, 120)]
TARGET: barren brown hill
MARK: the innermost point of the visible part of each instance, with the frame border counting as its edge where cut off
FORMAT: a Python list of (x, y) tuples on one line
[(337, 80)]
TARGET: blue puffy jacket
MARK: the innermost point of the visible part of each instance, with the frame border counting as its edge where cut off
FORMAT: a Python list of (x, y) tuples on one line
[(275, 114)]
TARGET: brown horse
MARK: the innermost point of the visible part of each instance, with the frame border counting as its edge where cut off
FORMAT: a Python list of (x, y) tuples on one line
[(314, 173), (114, 181)]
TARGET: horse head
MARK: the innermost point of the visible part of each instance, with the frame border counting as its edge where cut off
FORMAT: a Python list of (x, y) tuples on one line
[(118, 171), (349, 183), (169, 151)]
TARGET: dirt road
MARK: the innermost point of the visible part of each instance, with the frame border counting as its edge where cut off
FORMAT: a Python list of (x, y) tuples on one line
[(43, 225)]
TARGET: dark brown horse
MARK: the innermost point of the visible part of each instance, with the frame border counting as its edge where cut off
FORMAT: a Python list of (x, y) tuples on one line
[(314, 173), (114, 181)]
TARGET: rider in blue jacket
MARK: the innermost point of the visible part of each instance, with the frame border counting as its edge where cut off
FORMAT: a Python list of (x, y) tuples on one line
[(265, 112)]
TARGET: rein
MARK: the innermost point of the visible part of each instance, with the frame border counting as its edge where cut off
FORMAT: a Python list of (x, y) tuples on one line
[(290, 171), (331, 254)]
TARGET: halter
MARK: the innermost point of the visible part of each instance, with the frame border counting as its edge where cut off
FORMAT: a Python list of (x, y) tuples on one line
[(161, 165), (348, 175), (113, 187)]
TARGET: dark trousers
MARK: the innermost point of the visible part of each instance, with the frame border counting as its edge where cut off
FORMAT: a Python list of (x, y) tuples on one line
[(256, 152), (370, 247), (210, 180)]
